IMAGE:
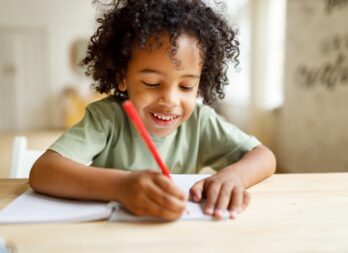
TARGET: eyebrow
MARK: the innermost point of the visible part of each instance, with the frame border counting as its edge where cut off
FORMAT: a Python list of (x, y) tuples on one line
[(154, 71)]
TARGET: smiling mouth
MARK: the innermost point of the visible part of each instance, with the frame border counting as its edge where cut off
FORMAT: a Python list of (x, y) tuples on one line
[(164, 117)]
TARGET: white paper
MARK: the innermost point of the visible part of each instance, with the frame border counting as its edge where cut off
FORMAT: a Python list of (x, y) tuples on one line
[(193, 210), (31, 207)]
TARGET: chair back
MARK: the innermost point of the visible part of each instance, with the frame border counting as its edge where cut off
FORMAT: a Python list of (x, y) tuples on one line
[(22, 158)]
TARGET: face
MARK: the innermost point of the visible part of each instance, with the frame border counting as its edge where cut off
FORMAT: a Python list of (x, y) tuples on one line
[(164, 94)]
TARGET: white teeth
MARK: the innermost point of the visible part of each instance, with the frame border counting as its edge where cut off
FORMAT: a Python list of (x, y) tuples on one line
[(163, 117)]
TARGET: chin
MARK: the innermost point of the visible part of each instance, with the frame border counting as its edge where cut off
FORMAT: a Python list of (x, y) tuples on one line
[(162, 133)]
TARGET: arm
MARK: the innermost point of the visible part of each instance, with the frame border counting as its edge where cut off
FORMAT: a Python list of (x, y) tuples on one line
[(226, 190), (255, 166), (143, 193), (55, 175)]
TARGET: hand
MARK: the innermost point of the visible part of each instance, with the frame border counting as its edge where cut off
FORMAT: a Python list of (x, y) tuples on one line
[(150, 193), (223, 192)]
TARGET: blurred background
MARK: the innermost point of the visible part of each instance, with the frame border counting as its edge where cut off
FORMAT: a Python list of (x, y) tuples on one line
[(290, 89)]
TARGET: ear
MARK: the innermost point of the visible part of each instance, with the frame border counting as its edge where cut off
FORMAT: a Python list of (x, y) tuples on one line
[(122, 86)]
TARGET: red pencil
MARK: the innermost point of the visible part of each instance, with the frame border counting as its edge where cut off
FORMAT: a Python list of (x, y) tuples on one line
[(139, 125)]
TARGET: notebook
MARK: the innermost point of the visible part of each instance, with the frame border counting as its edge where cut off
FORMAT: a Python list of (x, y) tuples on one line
[(31, 207)]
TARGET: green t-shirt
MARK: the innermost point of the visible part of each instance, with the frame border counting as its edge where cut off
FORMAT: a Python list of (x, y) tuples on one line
[(108, 139)]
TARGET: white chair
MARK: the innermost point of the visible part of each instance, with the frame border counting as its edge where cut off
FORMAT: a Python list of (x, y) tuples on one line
[(22, 158)]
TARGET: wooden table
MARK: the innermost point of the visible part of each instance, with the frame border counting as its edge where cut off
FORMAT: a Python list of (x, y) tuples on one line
[(288, 213)]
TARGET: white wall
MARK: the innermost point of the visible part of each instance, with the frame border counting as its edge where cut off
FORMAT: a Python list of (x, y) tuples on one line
[(312, 134), (63, 21)]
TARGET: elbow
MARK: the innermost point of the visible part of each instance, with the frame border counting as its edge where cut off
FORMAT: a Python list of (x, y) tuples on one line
[(37, 177), (33, 176), (272, 161), (269, 161)]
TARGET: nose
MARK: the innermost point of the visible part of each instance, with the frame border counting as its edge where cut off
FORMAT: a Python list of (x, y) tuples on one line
[(169, 97)]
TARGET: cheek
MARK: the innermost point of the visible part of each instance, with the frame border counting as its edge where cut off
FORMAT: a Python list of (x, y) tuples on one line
[(141, 100), (190, 104), (142, 97), (137, 94)]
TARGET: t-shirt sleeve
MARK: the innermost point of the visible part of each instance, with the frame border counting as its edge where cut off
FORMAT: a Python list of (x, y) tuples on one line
[(83, 141), (221, 142)]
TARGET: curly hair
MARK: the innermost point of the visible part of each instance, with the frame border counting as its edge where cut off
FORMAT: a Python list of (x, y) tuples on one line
[(135, 21)]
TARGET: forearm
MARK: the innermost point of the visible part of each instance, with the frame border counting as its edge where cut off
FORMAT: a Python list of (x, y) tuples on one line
[(255, 166), (55, 175)]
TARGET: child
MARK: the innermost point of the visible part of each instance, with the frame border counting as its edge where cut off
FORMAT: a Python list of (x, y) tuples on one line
[(161, 55)]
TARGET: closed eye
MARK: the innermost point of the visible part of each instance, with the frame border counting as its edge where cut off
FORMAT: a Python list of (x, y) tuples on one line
[(151, 85), (187, 88)]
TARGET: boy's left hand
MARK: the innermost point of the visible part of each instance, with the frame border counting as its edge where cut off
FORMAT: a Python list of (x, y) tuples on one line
[(224, 194)]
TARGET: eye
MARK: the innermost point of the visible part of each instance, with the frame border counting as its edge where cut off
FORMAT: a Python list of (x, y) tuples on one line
[(151, 85), (186, 88)]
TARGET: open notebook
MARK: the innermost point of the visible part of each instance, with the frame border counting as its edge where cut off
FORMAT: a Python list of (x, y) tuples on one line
[(31, 207)]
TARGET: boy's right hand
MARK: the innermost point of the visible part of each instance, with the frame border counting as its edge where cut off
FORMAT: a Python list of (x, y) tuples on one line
[(149, 193)]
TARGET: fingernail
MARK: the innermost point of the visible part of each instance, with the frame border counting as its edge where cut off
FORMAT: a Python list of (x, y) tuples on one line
[(222, 213), (234, 214), (219, 212), (209, 210)]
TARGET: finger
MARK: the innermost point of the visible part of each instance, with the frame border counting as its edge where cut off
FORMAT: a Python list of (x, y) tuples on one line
[(150, 208), (196, 191), (235, 206), (246, 200), (212, 191), (164, 199), (168, 202), (169, 187), (142, 207), (170, 211), (223, 200)]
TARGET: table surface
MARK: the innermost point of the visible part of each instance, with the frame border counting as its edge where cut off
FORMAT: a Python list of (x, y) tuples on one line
[(288, 213)]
